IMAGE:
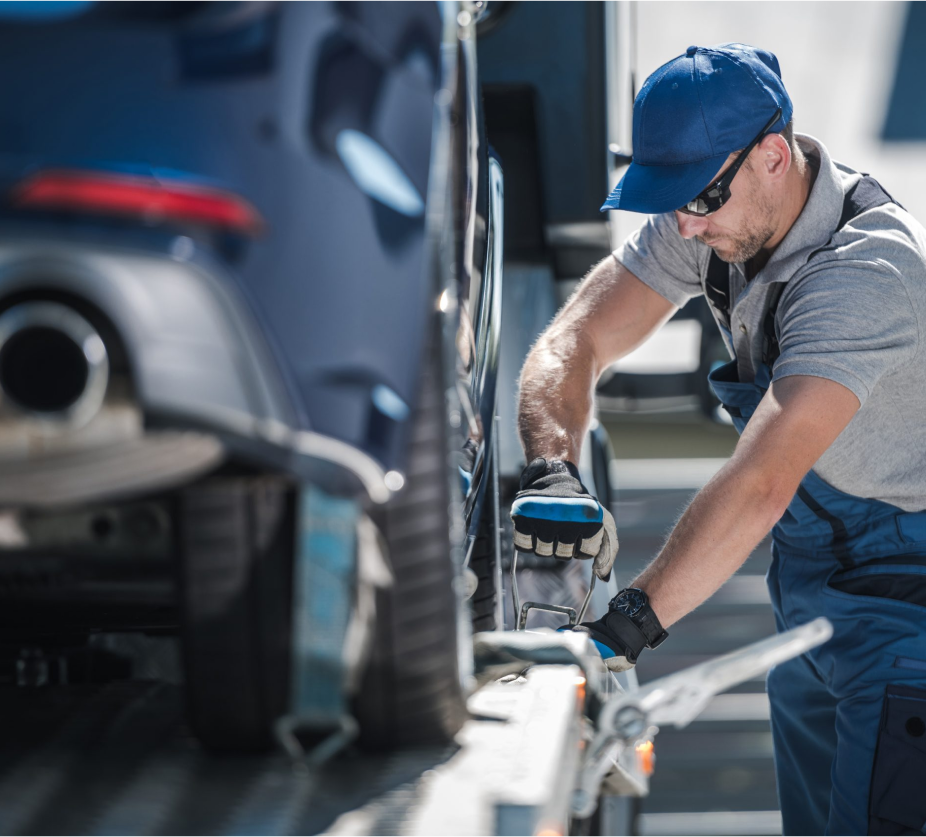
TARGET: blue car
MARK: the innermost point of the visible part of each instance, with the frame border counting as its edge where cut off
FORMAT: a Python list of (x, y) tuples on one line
[(250, 289)]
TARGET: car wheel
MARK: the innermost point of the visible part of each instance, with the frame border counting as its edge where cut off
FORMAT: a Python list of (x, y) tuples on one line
[(236, 544), (482, 563), (411, 691)]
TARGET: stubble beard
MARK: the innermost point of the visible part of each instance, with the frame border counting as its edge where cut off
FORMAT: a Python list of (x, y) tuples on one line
[(753, 238)]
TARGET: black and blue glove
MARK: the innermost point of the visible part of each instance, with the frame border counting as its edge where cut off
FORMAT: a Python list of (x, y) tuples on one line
[(629, 626), (613, 639), (554, 515)]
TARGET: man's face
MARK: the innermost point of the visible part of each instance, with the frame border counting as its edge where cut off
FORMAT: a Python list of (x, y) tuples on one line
[(741, 227)]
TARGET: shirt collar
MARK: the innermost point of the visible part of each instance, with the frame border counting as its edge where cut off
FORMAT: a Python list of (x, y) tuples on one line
[(815, 225)]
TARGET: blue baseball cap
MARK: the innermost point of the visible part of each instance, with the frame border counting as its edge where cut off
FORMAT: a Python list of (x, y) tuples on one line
[(690, 115)]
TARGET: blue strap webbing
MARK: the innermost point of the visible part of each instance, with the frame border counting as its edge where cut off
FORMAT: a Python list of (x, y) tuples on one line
[(324, 580)]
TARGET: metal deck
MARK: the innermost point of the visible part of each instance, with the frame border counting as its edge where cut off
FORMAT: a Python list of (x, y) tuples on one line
[(119, 759)]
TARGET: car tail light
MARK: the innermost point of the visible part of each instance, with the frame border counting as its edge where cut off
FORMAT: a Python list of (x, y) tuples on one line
[(146, 198)]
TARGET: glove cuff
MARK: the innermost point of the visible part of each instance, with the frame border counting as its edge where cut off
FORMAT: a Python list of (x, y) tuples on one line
[(541, 467), (630, 636)]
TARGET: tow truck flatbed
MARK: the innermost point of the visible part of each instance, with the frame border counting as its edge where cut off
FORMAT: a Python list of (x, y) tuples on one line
[(545, 740), (119, 759)]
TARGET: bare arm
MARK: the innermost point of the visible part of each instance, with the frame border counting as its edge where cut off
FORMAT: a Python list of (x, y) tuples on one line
[(610, 314), (797, 420)]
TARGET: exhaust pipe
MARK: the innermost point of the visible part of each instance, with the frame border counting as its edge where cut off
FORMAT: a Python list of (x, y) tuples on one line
[(53, 363)]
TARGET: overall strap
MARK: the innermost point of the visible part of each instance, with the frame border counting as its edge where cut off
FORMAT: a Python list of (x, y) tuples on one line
[(717, 289), (840, 533), (865, 194)]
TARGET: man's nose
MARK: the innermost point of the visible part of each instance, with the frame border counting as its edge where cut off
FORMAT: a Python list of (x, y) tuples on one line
[(690, 225)]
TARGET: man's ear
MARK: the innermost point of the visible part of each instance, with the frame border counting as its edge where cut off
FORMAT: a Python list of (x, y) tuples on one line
[(774, 157)]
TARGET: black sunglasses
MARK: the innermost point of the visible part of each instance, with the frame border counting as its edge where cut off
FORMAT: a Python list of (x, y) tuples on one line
[(718, 193)]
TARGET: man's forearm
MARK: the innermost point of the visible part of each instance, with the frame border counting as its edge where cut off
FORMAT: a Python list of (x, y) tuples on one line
[(555, 402), (722, 526), (610, 314), (797, 420)]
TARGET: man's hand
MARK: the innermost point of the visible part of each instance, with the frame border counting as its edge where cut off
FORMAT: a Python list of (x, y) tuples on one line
[(554, 514), (629, 626), (615, 651)]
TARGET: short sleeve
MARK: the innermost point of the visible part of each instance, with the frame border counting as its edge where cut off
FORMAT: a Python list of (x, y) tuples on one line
[(850, 323), (662, 259)]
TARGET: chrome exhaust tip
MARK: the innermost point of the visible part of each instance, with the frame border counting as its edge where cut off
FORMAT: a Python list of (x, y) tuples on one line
[(53, 364)]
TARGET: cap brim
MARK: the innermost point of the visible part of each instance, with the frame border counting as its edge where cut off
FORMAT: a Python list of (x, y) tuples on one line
[(657, 189)]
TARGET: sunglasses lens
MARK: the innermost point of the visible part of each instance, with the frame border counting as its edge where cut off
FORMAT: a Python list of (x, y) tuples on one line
[(707, 202), (698, 206)]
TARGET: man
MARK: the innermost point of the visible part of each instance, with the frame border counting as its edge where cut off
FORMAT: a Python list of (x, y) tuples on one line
[(817, 279)]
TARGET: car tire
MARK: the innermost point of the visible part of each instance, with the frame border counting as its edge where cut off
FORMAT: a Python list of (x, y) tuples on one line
[(411, 691), (236, 544), (482, 562)]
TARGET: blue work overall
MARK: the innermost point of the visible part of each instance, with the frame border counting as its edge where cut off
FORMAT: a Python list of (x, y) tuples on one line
[(849, 717)]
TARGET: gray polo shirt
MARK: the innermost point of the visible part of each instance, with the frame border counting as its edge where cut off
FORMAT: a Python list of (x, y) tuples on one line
[(853, 313)]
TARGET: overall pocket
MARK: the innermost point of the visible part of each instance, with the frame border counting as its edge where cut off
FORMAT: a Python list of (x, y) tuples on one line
[(897, 800), (892, 582), (912, 527)]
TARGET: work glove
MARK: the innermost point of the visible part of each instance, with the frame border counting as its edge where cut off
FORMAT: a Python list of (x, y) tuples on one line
[(615, 650), (629, 626), (554, 514)]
